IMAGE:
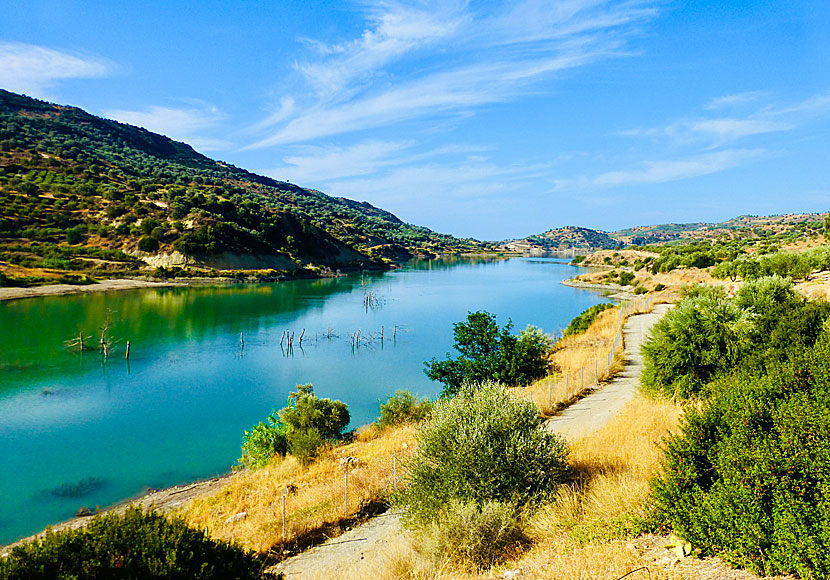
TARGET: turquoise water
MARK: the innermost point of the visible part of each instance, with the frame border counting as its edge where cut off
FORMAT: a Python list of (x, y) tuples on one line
[(77, 430)]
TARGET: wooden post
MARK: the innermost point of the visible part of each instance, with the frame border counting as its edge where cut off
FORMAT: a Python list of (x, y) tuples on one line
[(81, 340), (381, 333), (242, 339), (282, 337), (127, 355), (302, 334), (346, 491), (395, 333), (283, 517)]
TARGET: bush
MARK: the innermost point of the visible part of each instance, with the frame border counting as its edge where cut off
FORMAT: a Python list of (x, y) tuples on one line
[(489, 353), (403, 407), (749, 474), (581, 323), (300, 428), (483, 445), (627, 278), (703, 335), (264, 441), (136, 545), (148, 244), (469, 533)]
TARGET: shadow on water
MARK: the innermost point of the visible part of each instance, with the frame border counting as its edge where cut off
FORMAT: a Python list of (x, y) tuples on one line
[(78, 489)]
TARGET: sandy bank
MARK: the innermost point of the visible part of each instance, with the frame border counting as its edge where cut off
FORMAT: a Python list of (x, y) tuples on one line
[(64, 289)]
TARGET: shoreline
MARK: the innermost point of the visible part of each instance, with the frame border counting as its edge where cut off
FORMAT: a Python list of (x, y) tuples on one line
[(165, 500), (613, 290), (16, 293)]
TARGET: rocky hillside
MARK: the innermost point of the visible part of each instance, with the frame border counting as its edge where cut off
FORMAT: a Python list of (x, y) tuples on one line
[(82, 196)]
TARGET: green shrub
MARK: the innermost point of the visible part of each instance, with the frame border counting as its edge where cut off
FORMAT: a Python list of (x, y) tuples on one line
[(403, 407), (660, 286), (581, 323), (304, 444), (134, 546), (471, 534), (577, 259), (490, 353), (627, 278), (640, 290), (304, 425), (749, 474), (483, 445), (264, 441), (704, 334), (148, 244)]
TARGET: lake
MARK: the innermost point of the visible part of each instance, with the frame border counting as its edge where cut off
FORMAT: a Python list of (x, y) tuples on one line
[(80, 430)]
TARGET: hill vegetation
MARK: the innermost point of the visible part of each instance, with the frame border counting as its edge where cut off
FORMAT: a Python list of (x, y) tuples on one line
[(85, 197), (760, 231)]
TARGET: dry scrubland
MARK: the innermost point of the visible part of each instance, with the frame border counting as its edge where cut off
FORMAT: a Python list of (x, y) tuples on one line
[(582, 533), (315, 505)]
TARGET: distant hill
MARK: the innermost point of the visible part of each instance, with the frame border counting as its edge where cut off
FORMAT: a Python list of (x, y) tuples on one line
[(563, 239), (83, 194), (743, 227)]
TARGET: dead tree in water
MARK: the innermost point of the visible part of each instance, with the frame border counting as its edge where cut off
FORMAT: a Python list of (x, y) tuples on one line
[(106, 341), (79, 342)]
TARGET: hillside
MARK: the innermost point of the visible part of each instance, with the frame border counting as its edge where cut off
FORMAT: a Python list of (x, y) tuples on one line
[(82, 196), (563, 239), (781, 229)]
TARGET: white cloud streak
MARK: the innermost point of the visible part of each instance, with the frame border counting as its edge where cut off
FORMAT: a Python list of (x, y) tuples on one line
[(665, 170), (369, 82), (32, 69)]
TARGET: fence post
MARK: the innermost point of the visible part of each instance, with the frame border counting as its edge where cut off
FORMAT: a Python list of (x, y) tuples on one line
[(346, 490), (283, 518)]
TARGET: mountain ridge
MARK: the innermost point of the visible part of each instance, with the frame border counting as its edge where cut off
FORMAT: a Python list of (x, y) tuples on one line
[(75, 187)]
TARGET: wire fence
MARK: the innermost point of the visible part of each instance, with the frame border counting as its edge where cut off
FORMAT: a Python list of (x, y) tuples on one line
[(570, 384)]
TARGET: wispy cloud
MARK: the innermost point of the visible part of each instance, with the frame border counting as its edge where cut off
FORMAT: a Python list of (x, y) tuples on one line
[(389, 74), (736, 99), (179, 123), (717, 131), (664, 170), (33, 70), (331, 163)]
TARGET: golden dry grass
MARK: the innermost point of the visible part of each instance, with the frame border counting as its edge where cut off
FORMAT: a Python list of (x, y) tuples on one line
[(582, 360), (316, 498), (582, 532)]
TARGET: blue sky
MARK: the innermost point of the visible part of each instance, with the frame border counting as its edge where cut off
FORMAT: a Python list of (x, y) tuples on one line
[(486, 119)]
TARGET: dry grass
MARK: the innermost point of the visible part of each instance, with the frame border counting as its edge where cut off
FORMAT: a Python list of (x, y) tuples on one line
[(583, 361), (315, 498), (613, 467), (583, 532)]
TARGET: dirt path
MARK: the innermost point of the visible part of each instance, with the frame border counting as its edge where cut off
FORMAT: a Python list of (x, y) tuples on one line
[(347, 556), (595, 410)]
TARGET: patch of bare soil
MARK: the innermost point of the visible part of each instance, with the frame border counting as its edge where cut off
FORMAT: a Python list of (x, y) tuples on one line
[(65, 289)]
